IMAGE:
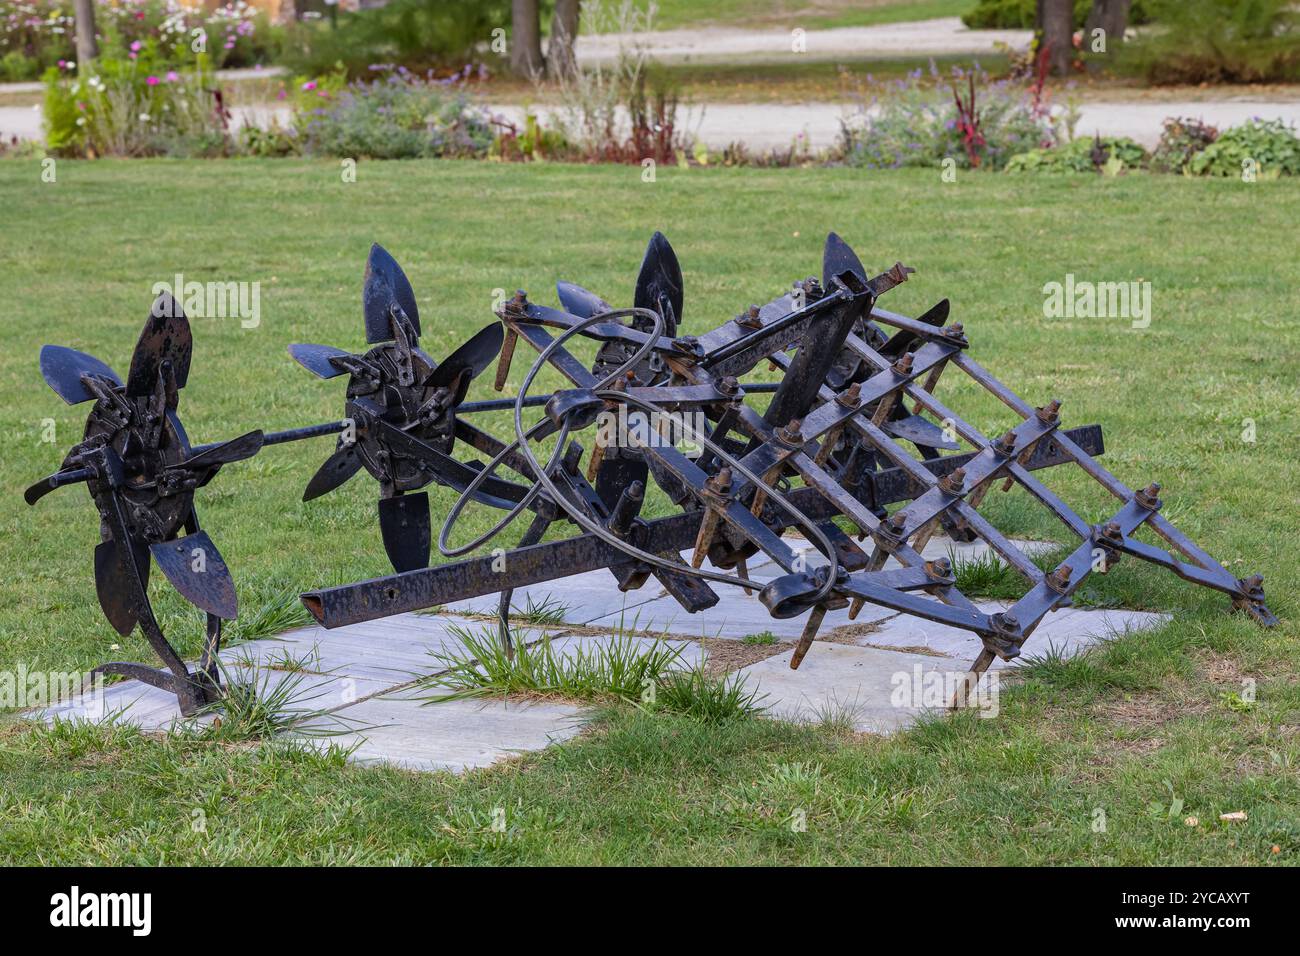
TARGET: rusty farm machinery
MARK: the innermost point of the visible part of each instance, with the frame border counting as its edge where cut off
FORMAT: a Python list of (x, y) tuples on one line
[(851, 435)]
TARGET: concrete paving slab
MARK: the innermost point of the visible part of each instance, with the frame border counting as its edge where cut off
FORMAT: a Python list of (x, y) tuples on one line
[(880, 691), (1068, 632), (453, 735)]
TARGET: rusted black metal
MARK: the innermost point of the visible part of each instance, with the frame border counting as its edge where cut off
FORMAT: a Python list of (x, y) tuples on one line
[(854, 420), (838, 423)]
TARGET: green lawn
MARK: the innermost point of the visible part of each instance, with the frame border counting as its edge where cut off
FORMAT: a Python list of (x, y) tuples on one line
[(1106, 732)]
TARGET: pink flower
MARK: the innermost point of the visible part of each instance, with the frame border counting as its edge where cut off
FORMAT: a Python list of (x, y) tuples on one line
[(135, 46), (151, 80), (172, 76), (309, 85)]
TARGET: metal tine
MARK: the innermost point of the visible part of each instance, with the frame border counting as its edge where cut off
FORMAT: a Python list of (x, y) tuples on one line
[(658, 281), (474, 356), (316, 359), (405, 528), (579, 301), (196, 569), (337, 469), (386, 285), (165, 338), (63, 369)]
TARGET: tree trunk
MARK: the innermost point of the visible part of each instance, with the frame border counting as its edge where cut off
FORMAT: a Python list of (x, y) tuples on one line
[(84, 13), (1056, 20), (1111, 16), (560, 58), (526, 38)]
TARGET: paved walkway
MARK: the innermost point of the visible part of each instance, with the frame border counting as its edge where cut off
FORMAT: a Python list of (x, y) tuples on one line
[(939, 37), (360, 684)]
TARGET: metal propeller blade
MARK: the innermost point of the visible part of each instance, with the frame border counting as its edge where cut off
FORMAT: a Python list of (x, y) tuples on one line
[(115, 584), (237, 449), (475, 356), (385, 285), (165, 338), (196, 569), (338, 468), (404, 525), (316, 359), (936, 315), (63, 367), (837, 258), (579, 301), (660, 278)]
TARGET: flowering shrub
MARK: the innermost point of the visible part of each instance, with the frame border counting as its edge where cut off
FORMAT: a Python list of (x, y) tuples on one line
[(34, 35), (1180, 140), (1269, 147), (134, 108), (38, 34), (397, 116), (920, 124)]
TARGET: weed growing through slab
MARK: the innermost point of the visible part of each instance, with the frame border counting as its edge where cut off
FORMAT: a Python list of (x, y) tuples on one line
[(259, 705), (761, 639), (548, 612), (622, 668)]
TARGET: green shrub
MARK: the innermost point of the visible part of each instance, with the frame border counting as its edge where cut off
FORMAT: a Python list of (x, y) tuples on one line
[(1271, 146), (1112, 155), (399, 116), (917, 125), (1020, 14), (1180, 140), (132, 108), (1218, 41), (421, 35)]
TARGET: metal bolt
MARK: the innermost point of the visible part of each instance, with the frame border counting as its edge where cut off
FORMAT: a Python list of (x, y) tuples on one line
[(1112, 530), (749, 319), (729, 385), (1050, 412), (719, 483), (1006, 444), (1149, 497), (851, 397), (904, 364), (955, 482), (519, 303), (954, 331), (939, 568), (1059, 579), (791, 433)]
